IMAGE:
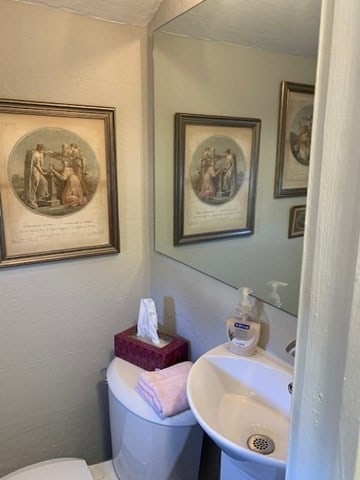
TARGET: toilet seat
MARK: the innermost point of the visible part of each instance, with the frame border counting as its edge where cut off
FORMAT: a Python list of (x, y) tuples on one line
[(57, 469)]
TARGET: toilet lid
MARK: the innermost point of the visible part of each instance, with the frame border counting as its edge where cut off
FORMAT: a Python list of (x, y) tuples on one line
[(58, 469)]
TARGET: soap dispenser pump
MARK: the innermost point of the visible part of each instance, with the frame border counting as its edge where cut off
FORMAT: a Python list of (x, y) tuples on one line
[(243, 330)]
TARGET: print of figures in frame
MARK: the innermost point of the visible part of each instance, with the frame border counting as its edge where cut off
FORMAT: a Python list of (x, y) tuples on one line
[(58, 182), (294, 139), (297, 221), (216, 162)]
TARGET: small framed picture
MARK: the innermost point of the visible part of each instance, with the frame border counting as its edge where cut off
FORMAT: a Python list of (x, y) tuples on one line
[(294, 139), (216, 162), (297, 221)]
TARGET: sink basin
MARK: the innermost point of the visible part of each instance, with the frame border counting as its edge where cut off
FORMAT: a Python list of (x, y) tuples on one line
[(237, 398)]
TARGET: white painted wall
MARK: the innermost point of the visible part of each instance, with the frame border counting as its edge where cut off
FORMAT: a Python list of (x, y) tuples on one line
[(57, 320)]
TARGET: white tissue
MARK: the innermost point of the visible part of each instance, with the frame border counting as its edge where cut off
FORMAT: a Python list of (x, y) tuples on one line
[(148, 321)]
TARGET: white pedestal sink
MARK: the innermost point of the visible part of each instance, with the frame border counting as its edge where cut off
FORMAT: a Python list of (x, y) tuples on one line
[(243, 404)]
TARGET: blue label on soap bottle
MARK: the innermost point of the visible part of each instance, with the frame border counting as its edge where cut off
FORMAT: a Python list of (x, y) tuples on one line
[(243, 326)]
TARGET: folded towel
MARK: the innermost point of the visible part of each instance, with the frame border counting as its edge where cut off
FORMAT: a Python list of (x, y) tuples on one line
[(165, 390)]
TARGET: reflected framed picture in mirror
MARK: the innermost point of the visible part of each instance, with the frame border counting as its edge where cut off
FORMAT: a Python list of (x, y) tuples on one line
[(297, 221), (294, 139), (216, 160)]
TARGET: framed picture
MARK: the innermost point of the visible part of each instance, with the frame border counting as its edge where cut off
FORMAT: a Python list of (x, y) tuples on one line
[(297, 221), (294, 139), (58, 187), (216, 162)]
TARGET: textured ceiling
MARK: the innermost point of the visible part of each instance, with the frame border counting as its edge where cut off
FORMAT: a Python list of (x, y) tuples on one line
[(135, 12), (287, 26)]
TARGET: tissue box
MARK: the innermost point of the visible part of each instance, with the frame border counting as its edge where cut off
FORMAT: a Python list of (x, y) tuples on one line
[(147, 356)]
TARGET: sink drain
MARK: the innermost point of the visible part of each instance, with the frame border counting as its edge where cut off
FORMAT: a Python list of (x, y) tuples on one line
[(261, 444)]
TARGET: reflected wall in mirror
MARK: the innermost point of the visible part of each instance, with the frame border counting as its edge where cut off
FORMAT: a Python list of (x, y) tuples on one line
[(220, 77)]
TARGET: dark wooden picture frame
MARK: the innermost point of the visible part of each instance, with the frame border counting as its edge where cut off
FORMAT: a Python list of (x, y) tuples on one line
[(297, 221), (216, 161), (58, 183), (294, 139)]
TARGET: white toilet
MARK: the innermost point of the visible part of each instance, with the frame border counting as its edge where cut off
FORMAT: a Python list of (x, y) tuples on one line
[(57, 469), (144, 446)]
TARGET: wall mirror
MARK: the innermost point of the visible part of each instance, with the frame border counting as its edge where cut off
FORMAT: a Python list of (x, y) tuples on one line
[(228, 58)]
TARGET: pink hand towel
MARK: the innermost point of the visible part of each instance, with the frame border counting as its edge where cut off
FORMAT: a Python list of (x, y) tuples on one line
[(165, 390)]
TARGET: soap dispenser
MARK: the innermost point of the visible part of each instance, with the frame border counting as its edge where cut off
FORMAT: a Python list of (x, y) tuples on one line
[(274, 296), (243, 330)]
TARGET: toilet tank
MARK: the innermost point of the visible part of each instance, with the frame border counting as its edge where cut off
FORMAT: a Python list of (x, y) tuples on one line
[(144, 446)]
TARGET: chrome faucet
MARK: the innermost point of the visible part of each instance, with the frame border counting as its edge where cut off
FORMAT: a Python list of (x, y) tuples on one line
[(291, 348)]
